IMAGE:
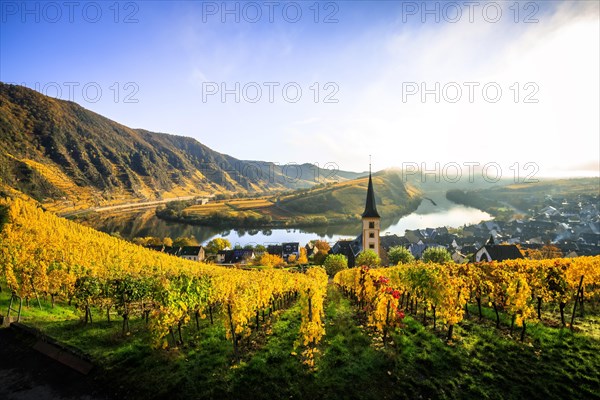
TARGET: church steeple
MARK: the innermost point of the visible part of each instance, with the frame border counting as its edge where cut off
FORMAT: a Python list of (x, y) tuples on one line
[(370, 205), (370, 219)]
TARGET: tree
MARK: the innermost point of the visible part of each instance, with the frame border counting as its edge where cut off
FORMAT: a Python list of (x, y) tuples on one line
[(322, 251), (322, 246), (183, 241), (168, 242), (335, 263), (141, 241), (302, 259), (400, 254), (368, 258), (437, 255), (149, 241), (319, 258), (216, 245), (269, 260), (546, 252), (291, 259)]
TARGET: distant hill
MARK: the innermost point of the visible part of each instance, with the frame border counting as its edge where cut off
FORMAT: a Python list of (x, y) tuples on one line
[(60, 153), (506, 201), (331, 203)]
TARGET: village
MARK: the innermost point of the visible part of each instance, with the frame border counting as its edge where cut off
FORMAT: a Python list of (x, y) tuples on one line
[(570, 226)]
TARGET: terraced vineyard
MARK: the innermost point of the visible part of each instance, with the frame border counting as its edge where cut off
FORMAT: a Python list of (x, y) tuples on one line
[(340, 202)]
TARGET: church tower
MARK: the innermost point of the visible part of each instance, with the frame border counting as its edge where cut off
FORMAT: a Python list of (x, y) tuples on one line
[(370, 221)]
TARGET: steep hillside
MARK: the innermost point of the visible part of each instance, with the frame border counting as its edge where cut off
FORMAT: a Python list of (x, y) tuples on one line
[(393, 196), (57, 150)]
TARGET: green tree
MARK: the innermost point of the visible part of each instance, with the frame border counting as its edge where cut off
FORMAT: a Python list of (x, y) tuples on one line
[(368, 258), (437, 255), (217, 244), (185, 241), (319, 258), (335, 263), (400, 254)]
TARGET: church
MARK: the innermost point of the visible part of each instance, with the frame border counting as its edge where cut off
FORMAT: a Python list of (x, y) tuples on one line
[(369, 238)]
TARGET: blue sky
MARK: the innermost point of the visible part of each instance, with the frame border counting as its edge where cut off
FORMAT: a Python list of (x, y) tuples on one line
[(163, 66)]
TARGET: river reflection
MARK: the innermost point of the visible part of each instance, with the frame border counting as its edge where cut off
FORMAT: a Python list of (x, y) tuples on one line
[(428, 215)]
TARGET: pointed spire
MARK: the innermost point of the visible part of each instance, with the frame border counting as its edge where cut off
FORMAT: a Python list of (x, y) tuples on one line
[(491, 240), (370, 206)]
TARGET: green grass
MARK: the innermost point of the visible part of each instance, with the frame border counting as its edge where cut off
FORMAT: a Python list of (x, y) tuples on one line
[(482, 362)]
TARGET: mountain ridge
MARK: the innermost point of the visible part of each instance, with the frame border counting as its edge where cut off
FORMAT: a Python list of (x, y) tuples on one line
[(64, 155)]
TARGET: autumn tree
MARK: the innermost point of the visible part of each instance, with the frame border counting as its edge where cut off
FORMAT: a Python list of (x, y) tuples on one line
[(152, 241), (322, 246), (548, 251), (269, 260), (302, 258), (217, 244), (322, 251), (183, 241)]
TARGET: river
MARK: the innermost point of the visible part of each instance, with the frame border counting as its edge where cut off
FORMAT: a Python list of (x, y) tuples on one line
[(427, 215)]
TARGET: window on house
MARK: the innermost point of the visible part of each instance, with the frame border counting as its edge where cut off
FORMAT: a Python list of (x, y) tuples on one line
[(372, 225), (371, 235), (371, 246)]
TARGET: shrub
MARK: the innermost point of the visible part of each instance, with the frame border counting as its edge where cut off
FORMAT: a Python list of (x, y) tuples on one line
[(437, 255), (335, 263), (368, 258)]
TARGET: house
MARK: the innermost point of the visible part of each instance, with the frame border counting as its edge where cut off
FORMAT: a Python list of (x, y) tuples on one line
[(275, 250), (413, 236), (241, 256), (235, 256), (458, 257), (193, 253), (349, 248), (289, 249), (224, 256), (495, 252), (311, 249), (389, 241), (591, 238), (417, 249)]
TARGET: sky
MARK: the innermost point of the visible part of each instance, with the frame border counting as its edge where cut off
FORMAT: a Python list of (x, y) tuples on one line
[(500, 88)]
